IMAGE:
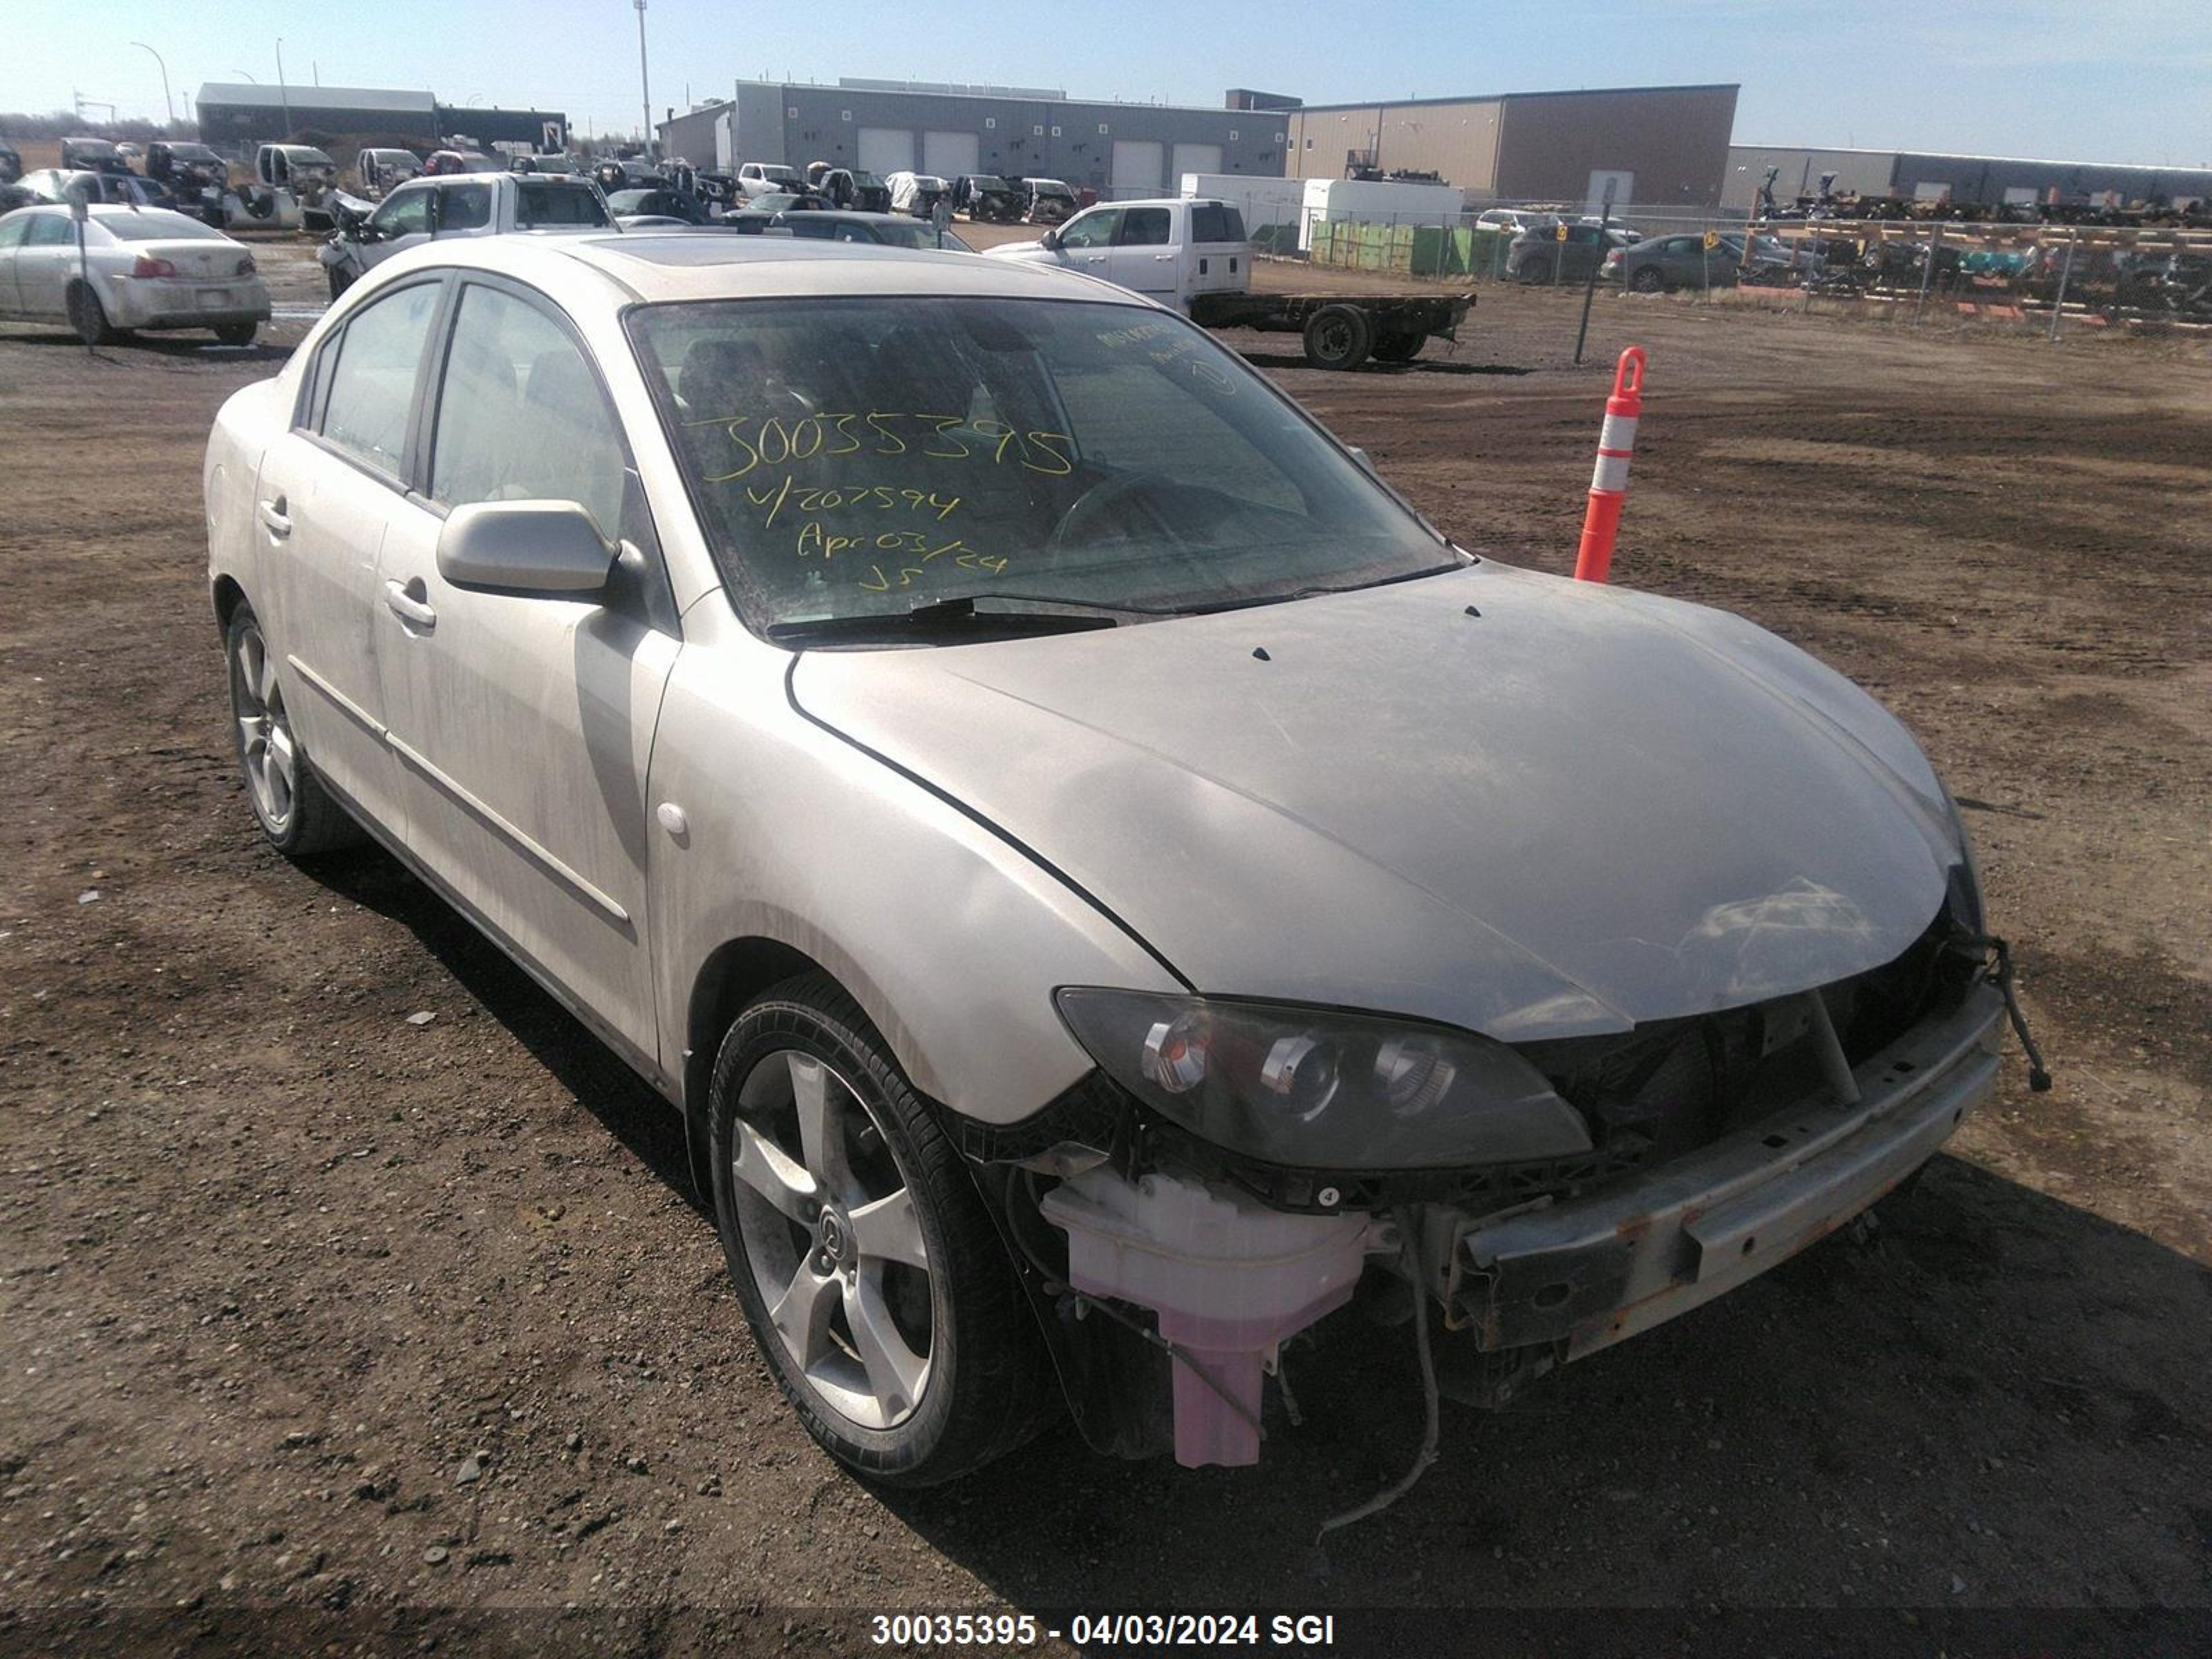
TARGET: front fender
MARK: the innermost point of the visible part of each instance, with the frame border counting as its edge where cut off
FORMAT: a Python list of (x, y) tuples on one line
[(950, 937)]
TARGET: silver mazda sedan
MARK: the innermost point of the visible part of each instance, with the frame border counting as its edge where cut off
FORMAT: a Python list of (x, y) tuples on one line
[(1105, 884)]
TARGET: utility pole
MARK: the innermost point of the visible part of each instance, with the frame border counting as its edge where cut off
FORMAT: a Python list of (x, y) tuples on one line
[(167, 102), (645, 86)]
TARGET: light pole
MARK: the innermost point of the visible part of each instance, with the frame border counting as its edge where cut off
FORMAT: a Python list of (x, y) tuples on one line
[(644, 85), (166, 103), (248, 74), (283, 92)]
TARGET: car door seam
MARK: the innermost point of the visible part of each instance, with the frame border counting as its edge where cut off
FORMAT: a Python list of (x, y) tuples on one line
[(345, 704), (602, 902)]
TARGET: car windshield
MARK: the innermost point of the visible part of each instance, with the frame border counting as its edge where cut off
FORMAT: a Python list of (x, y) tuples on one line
[(856, 457), (153, 225)]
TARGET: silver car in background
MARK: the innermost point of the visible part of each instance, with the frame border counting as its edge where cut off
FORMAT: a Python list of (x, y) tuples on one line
[(1100, 877), (139, 268)]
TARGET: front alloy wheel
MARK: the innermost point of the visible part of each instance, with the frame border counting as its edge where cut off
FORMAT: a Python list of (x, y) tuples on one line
[(875, 1282), (831, 1236)]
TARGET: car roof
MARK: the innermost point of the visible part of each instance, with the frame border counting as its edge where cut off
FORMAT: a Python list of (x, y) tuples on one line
[(703, 264)]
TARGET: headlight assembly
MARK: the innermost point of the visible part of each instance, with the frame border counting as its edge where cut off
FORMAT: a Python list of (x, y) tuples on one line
[(1320, 1089)]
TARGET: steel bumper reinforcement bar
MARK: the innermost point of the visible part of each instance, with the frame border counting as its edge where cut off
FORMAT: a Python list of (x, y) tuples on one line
[(1589, 1272)]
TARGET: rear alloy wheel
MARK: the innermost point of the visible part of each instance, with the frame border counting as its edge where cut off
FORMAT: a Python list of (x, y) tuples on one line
[(1338, 337), (876, 1284), (1401, 347), (295, 811), (87, 316), (1649, 280)]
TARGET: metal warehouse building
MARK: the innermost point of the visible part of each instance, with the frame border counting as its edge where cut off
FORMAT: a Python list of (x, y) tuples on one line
[(238, 116), (1982, 180), (1658, 146), (890, 126)]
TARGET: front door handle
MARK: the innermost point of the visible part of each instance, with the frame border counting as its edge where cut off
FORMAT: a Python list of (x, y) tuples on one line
[(273, 520), (408, 604)]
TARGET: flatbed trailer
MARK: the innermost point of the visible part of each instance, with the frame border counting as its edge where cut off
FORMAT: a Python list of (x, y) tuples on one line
[(1341, 330)]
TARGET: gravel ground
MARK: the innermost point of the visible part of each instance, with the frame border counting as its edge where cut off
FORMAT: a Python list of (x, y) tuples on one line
[(324, 1323)]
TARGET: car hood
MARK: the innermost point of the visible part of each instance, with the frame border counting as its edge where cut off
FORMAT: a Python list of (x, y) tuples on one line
[(1580, 809)]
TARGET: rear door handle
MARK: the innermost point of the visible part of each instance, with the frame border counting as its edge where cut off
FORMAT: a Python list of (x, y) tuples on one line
[(273, 520), (408, 604)]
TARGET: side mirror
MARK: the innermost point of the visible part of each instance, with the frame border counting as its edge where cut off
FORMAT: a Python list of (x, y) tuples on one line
[(1050, 241), (525, 548)]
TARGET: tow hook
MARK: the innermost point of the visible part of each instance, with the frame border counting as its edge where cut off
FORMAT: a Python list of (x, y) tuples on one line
[(1998, 957)]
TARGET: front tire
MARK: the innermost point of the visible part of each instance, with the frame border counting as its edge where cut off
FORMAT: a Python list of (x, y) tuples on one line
[(1400, 348), (340, 281), (295, 811), (876, 1287)]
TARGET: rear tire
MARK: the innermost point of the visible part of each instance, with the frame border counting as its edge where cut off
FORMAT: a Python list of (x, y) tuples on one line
[(878, 1291), (293, 810), (1649, 280), (1533, 271), (237, 334), (1339, 337), (1400, 348), (87, 316), (340, 281)]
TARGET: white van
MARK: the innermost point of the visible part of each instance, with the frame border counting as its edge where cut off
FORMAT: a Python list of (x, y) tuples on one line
[(1168, 250)]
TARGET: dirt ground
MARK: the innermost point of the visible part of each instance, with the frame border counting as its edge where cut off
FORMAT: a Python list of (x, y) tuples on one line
[(274, 1261)]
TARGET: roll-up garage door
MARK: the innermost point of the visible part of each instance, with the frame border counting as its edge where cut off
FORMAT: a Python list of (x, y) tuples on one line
[(1137, 166), (949, 154), (886, 151), (1194, 158)]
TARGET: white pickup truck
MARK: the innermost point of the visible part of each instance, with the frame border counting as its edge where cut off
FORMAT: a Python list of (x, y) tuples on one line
[(1191, 254), (455, 205)]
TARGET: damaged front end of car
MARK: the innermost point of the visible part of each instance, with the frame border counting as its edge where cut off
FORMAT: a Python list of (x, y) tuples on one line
[(1234, 1171)]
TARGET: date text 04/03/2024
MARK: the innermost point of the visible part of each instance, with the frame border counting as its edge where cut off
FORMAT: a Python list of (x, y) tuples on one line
[(1135, 1630)]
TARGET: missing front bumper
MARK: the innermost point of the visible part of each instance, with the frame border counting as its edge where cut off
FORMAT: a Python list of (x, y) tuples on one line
[(1582, 1275)]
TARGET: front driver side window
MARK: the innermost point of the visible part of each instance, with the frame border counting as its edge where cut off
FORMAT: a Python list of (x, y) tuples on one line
[(520, 416), (1090, 229), (404, 214)]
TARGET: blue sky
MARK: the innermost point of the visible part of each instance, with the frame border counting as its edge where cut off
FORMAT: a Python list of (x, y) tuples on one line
[(2086, 80)]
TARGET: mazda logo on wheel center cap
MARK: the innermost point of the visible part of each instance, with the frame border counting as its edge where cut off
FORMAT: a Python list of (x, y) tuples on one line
[(831, 1231)]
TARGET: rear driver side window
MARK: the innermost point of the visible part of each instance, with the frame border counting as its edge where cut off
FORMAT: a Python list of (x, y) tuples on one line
[(372, 385), (520, 416)]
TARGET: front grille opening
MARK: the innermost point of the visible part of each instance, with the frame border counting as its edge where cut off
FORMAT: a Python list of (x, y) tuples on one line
[(1680, 1083)]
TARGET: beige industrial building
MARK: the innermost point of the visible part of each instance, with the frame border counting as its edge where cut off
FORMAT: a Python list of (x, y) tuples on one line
[(1658, 147)]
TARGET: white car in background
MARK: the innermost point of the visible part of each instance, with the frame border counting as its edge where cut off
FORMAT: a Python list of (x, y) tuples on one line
[(454, 204), (140, 268)]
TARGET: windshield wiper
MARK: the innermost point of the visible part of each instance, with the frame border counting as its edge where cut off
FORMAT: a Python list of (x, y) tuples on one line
[(952, 618)]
